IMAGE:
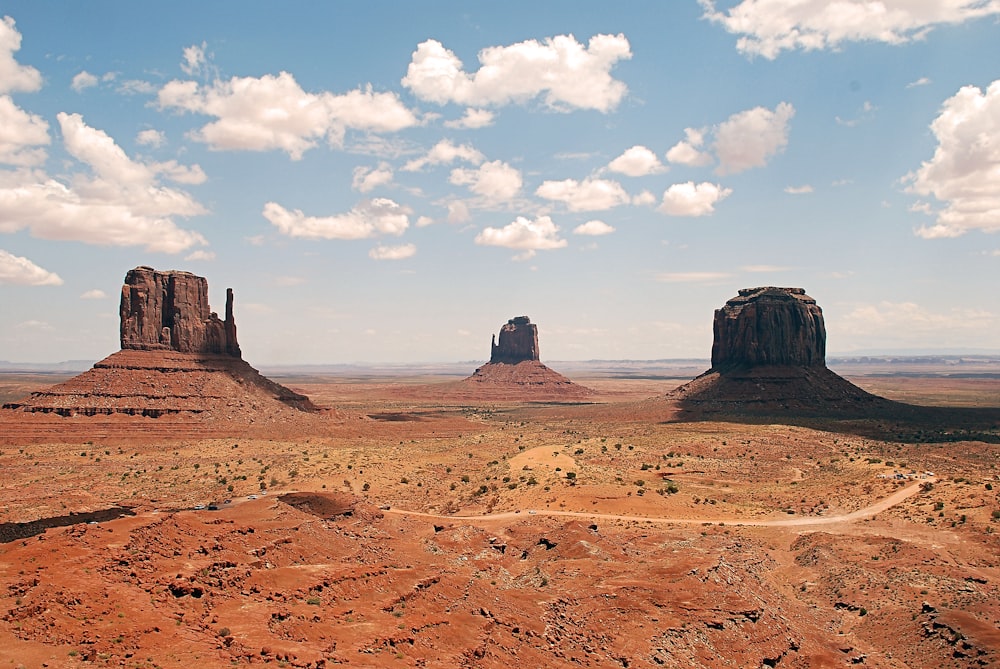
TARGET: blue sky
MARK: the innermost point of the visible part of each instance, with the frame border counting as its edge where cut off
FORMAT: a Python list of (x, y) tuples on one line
[(392, 181)]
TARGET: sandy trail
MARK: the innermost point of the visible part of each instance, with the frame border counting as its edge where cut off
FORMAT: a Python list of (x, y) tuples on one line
[(867, 512)]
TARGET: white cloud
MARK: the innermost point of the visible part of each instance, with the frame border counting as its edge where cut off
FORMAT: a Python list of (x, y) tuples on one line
[(136, 87), (908, 323), (586, 195), (495, 181), (690, 199), (768, 27), (799, 190), (13, 75), (472, 120), (445, 153), (424, 221), (458, 212), (120, 204), (644, 199), (593, 228), (524, 234), (637, 161), (17, 270), (565, 73), (922, 81), (392, 252), (288, 281), (692, 277), (687, 151), (194, 59), (368, 219), (748, 138), (964, 173), (83, 80), (763, 269), (273, 112), (200, 255), (93, 294), (150, 137), (367, 179), (21, 134)]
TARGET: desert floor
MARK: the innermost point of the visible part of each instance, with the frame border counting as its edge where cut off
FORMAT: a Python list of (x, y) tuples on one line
[(402, 529)]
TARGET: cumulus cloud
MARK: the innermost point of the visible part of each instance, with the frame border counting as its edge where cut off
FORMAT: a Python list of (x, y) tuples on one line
[(637, 161), (367, 179), (768, 27), (688, 151), (21, 271), (83, 80), (93, 294), (13, 75), (586, 195), (593, 228), (368, 219), (524, 234), (392, 252), (472, 120), (749, 138), (495, 181), (119, 203), (964, 173), (563, 72), (21, 135), (273, 112), (150, 137), (445, 153), (690, 199), (644, 199), (922, 81), (200, 255)]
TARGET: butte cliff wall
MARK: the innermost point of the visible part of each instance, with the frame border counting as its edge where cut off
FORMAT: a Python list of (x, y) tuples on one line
[(518, 342), (169, 311), (769, 326)]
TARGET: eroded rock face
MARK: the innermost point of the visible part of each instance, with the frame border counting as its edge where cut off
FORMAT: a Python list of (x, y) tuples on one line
[(518, 342), (169, 311), (769, 327)]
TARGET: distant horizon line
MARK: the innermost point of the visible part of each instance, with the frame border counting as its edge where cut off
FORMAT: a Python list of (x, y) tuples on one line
[(914, 355)]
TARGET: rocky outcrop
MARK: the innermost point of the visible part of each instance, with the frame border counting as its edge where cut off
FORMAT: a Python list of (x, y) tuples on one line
[(515, 373), (518, 342), (769, 357), (169, 311), (769, 326), (178, 360)]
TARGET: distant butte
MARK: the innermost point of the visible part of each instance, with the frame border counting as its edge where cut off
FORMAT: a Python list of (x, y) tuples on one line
[(769, 356), (515, 371), (178, 359)]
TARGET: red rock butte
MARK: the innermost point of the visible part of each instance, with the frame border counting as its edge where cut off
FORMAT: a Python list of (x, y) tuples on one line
[(178, 359), (769, 355), (515, 372)]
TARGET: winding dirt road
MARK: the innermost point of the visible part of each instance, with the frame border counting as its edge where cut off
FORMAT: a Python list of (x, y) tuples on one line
[(867, 512)]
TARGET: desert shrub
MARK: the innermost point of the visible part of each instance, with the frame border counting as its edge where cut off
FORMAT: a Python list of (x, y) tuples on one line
[(571, 475)]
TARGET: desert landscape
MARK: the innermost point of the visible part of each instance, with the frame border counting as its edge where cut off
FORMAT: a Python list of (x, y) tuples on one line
[(172, 507)]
